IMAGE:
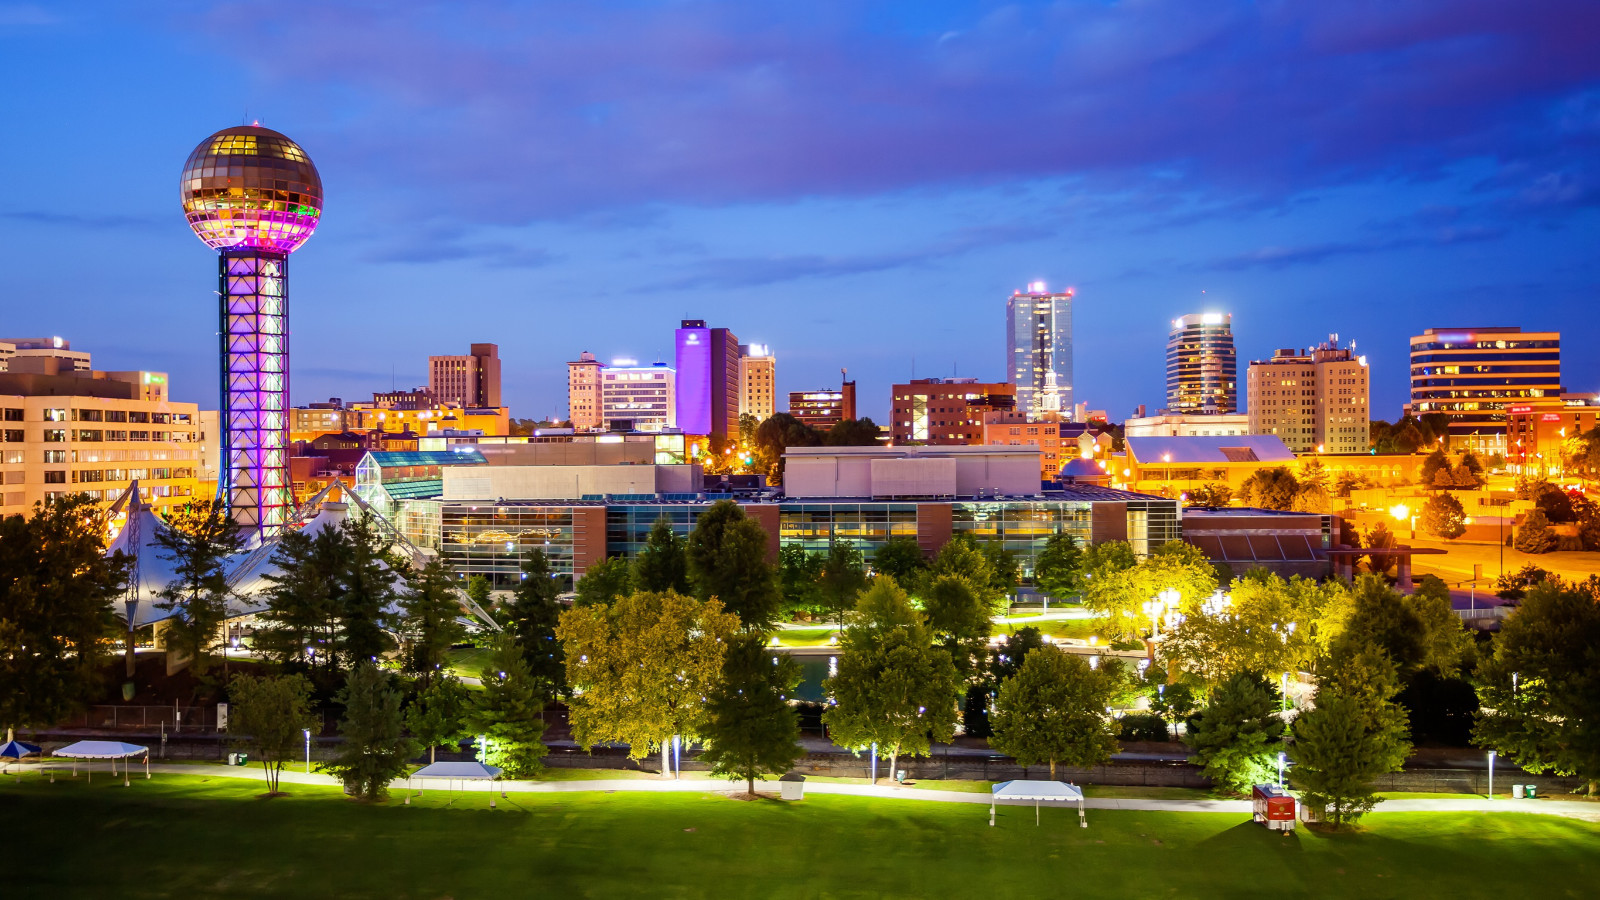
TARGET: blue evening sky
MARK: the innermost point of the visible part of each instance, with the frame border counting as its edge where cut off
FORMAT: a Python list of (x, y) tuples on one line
[(858, 185)]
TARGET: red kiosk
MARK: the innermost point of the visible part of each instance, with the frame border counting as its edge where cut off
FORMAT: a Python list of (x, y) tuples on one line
[(1273, 807)]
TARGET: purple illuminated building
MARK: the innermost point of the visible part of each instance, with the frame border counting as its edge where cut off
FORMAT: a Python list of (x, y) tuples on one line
[(708, 380), (254, 196)]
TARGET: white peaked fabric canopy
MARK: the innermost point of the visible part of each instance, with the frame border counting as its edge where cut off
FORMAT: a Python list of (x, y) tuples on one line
[(152, 571), (449, 772), (112, 750), (249, 577), (1037, 791)]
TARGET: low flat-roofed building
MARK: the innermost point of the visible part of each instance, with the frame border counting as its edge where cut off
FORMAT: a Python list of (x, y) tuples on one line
[(912, 472), (1168, 466), (1286, 543)]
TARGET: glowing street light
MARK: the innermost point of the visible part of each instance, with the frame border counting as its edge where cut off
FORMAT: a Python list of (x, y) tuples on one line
[(308, 749)]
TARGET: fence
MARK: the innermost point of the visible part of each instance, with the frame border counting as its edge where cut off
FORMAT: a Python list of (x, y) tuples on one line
[(153, 719)]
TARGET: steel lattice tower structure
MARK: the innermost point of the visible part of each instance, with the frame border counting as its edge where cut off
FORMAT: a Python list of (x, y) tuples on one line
[(254, 196)]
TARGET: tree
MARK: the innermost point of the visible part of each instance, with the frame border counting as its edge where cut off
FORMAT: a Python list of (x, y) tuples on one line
[(1379, 538), (432, 620), (367, 593), (1058, 571), (750, 726), (1443, 516), (1514, 585), (1271, 488), (1119, 585), (1054, 711), (480, 591), (642, 667), (274, 712), (199, 544), (1355, 733), (1213, 493), (604, 582), (437, 718), (56, 593), (1268, 624), (1237, 736), (1540, 690), (375, 748), (776, 435), (1173, 702), (894, 688), (728, 561), (663, 564), (532, 615), (1311, 498), (862, 432), (842, 579), (508, 711), (1535, 535), (799, 576), (299, 629), (1435, 463), (1012, 651), (901, 559)]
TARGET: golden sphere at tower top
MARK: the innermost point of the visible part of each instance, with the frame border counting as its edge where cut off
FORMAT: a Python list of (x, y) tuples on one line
[(251, 188)]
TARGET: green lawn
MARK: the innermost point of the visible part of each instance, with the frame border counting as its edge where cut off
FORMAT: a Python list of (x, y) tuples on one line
[(468, 662), (193, 837)]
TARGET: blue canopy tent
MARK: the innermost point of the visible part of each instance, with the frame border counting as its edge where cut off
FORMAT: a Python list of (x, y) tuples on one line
[(15, 749)]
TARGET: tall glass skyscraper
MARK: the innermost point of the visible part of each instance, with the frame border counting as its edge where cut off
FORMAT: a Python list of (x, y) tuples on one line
[(1039, 349), (1202, 366)]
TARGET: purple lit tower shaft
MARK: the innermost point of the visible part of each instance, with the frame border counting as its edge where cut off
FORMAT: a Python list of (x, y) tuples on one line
[(254, 477)]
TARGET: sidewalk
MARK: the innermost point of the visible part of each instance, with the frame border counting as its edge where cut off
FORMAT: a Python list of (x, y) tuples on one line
[(1573, 808)]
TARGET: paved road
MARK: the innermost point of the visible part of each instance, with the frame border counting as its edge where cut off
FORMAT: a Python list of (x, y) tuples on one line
[(1572, 808)]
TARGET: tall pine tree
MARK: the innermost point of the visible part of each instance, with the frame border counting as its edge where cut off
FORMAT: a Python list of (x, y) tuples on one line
[(750, 726), (507, 712)]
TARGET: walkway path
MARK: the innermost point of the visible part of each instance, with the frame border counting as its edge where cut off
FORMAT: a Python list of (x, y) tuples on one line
[(1573, 808)]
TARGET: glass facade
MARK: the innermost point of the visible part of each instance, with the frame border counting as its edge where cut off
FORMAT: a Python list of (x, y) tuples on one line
[(866, 525), (492, 540), (1202, 365), (628, 525), (1039, 350)]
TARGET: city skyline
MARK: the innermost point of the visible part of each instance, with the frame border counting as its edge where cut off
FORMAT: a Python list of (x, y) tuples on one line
[(1398, 215)]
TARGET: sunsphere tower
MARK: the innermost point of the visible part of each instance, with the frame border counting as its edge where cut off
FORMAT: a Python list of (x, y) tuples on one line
[(253, 196)]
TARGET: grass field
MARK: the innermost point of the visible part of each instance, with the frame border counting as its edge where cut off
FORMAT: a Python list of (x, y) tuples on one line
[(193, 837)]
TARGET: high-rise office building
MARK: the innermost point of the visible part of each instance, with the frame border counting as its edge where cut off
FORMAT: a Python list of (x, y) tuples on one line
[(1202, 366), (638, 398), (826, 408), (946, 411), (583, 392), (1472, 374), (1039, 350), (758, 381), (473, 381), (1316, 400), (708, 380)]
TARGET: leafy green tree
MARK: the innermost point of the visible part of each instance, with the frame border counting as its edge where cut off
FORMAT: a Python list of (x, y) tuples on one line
[(1005, 573), (480, 591), (1379, 538), (1237, 736), (642, 667), (1213, 493), (1540, 690), (303, 611), (1312, 498), (1268, 625), (531, 615), (1058, 571), (199, 543), (961, 556), (750, 726), (437, 717), (894, 688), (431, 623), (1443, 516), (375, 748), (1174, 702), (663, 564), (604, 582), (799, 579), (1012, 650), (508, 711), (56, 593), (273, 713), (1355, 733), (1054, 711), (728, 561), (1535, 535), (862, 432), (1515, 585), (843, 578), (960, 622), (901, 559), (1432, 465), (1119, 594), (1413, 632), (1270, 488)]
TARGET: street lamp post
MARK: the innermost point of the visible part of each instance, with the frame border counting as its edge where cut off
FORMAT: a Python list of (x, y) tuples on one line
[(308, 749), (1491, 774), (1281, 758)]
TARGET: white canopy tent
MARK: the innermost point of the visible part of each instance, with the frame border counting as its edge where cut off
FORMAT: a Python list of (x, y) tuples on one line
[(112, 750), (1038, 792), (450, 772), (152, 571)]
